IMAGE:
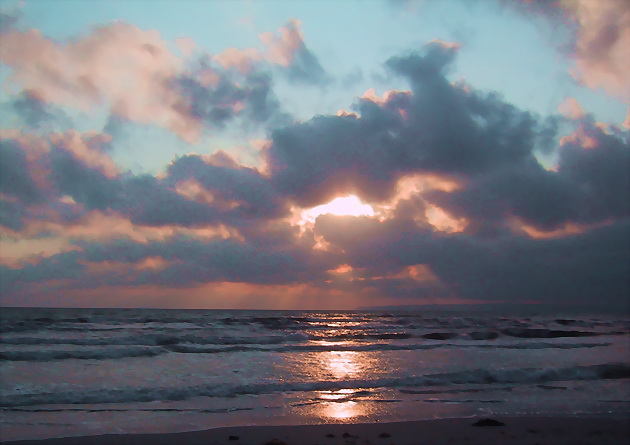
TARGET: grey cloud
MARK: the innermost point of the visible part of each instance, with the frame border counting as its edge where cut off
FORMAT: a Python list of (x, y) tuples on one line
[(59, 266), (305, 68), (584, 268), (36, 113), (590, 186), (218, 260), (145, 199), (15, 176), (87, 186), (437, 128), (12, 214), (244, 185), (352, 78), (217, 105), (601, 173)]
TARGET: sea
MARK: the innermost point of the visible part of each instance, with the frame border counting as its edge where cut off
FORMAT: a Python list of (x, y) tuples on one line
[(70, 372)]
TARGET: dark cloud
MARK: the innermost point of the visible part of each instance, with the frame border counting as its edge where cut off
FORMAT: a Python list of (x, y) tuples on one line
[(352, 78), (213, 105), (11, 214), (245, 186), (305, 68), (85, 185), (58, 267), (242, 194), (116, 125), (314, 161), (590, 186), (438, 127), (36, 113), (143, 198), (15, 174), (263, 106), (585, 268), (147, 201), (601, 173), (8, 20), (195, 261), (252, 99), (537, 196)]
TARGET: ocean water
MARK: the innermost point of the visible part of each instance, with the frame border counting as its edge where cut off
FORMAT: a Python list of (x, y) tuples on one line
[(66, 372)]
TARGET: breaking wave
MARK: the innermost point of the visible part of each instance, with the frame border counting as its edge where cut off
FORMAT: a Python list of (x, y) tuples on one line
[(190, 348), (476, 376), (91, 354)]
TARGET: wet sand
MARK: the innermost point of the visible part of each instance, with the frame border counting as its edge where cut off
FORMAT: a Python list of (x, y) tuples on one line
[(515, 431)]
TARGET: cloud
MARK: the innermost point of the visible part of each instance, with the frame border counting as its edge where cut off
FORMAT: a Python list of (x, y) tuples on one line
[(602, 46), (251, 193), (16, 180), (571, 108), (289, 50), (186, 45), (464, 210), (436, 127), (118, 64), (241, 59), (601, 38), (134, 74), (35, 112), (507, 268), (285, 48), (281, 49), (77, 166), (176, 262), (600, 172)]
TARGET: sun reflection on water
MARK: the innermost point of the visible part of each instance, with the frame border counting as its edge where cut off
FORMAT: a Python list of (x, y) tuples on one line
[(342, 410), (339, 404), (343, 363)]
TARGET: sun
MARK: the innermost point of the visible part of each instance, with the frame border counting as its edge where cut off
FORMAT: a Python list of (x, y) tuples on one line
[(349, 205)]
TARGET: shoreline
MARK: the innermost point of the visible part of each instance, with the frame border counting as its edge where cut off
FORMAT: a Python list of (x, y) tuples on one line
[(541, 430)]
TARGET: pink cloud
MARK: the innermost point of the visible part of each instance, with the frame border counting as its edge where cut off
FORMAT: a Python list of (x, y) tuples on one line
[(186, 45), (571, 108), (567, 229), (241, 59), (602, 48), (119, 64), (87, 148), (447, 45), (17, 252), (282, 48), (152, 263), (583, 136)]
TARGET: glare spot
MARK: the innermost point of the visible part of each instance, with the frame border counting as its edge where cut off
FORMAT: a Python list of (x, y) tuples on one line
[(349, 205)]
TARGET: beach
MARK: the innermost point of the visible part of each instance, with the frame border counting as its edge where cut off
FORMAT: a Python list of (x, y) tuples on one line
[(515, 431)]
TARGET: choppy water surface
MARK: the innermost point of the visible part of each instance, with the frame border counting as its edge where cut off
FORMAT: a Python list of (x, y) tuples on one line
[(92, 371)]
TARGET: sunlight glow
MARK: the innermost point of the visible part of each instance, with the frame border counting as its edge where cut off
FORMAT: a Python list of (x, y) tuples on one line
[(349, 205), (342, 410)]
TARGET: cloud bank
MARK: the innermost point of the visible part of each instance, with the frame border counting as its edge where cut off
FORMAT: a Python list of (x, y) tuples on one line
[(464, 209)]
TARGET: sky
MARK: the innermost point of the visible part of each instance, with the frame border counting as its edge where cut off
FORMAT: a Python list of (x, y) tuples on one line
[(276, 154)]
